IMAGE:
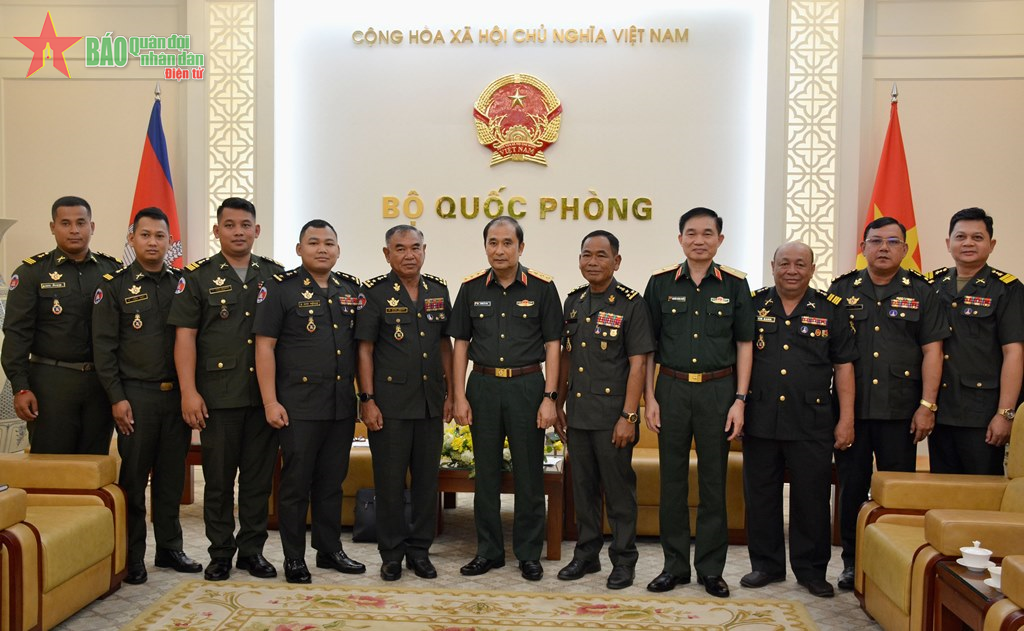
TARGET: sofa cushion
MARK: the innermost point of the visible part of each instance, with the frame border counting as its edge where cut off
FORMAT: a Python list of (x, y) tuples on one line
[(949, 530), (74, 538), (922, 491), (58, 471), (887, 554), (12, 507)]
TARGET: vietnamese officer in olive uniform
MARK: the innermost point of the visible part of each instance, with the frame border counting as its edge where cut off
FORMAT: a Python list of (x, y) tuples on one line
[(215, 357), (306, 363), (135, 363), (703, 325), (899, 325), (802, 339), (607, 337), (405, 359), (508, 320), (984, 356), (47, 350)]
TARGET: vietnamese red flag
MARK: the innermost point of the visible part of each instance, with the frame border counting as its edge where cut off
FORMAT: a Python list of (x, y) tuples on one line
[(891, 195), (155, 188)]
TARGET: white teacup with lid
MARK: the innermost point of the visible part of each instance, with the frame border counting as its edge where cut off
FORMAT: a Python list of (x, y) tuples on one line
[(997, 576), (975, 557)]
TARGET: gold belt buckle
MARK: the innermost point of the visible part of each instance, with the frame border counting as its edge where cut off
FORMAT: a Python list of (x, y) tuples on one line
[(503, 372), (166, 386), (695, 377)]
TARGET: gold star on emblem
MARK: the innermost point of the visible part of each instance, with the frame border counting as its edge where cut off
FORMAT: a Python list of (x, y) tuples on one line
[(517, 99), (219, 281), (393, 302), (307, 294), (134, 289), (55, 275)]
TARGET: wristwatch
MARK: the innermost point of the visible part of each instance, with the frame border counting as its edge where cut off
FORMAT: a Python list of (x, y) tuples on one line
[(931, 406), (1008, 414), (741, 397), (632, 417), (365, 396), (551, 395)]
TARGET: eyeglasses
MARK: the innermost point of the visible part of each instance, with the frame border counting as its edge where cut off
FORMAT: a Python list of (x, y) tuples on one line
[(876, 242)]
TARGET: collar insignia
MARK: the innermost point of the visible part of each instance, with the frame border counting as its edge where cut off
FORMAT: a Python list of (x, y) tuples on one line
[(306, 282), (811, 305), (397, 287), (857, 282), (905, 280), (139, 276)]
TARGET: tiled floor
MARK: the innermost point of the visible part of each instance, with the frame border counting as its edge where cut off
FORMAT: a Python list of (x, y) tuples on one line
[(451, 550)]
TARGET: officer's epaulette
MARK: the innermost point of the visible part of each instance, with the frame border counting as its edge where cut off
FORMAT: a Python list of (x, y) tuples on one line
[(436, 279), (115, 273), (32, 260), (576, 290), (758, 292), (541, 275), (476, 275), (286, 275), (194, 265), (669, 268), (370, 282), (626, 291), (935, 273), (733, 271), (109, 258), (268, 259), (1003, 276), (919, 275), (349, 277), (834, 299), (846, 275)]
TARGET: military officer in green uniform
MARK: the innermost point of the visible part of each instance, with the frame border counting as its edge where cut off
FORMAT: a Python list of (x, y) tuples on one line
[(899, 325), (703, 325), (405, 359), (215, 356), (984, 356), (135, 363), (306, 364), (47, 350), (507, 319), (606, 339), (802, 341)]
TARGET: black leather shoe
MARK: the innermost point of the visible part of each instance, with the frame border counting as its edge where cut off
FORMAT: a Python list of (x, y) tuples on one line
[(295, 571), (819, 587), (578, 568), (480, 565), (257, 565), (137, 574), (846, 579), (218, 569), (177, 561), (339, 561), (391, 570), (421, 566), (666, 581), (757, 578), (714, 585), (531, 570), (621, 577)]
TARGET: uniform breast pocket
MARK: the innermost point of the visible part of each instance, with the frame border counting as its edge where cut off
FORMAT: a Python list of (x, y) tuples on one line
[(856, 317), (521, 312), (979, 318), (674, 314), (719, 320), (224, 301), (481, 311), (311, 317), (136, 312), (569, 331), (979, 393), (53, 300), (903, 313)]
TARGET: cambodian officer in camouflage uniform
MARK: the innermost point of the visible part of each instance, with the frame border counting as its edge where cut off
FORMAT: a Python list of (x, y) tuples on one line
[(508, 320), (606, 339), (405, 359), (802, 338), (215, 357), (703, 325), (984, 360), (47, 351), (135, 363), (899, 325)]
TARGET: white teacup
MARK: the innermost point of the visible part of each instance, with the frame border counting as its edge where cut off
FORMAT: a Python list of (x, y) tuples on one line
[(975, 556), (997, 576)]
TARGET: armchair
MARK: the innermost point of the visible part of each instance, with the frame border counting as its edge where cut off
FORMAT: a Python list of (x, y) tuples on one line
[(1008, 614)]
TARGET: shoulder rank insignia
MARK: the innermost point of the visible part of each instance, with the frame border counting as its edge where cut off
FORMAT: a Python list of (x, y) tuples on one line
[(918, 275), (1003, 276), (663, 270), (475, 275), (32, 260), (283, 276), (626, 291), (268, 260), (109, 257), (935, 273), (733, 271), (834, 299), (114, 274), (846, 275), (349, 277), (576, 290), (194, 265), (541, 275), (436, 279), (370, 282), (763, 290)]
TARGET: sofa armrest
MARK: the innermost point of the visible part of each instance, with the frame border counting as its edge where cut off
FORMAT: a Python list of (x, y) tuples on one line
[(12, 507), (1013, 579), (57, 471), (925, 491), (947, 530)]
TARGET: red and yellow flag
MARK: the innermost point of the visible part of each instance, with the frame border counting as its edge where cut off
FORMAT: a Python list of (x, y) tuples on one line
[(891, 195)]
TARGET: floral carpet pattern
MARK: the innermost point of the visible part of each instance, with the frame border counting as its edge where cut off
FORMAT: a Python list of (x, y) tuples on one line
[(198, 605)]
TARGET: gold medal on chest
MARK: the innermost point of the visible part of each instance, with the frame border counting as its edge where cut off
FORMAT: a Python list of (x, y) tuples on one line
[(57, 309), (760, 342), (137, 322), (224, 310), (399, 334), (311, 326), (568, 345)]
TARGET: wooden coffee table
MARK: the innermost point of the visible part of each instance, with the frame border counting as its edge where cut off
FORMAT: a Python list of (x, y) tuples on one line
[(961, 597)]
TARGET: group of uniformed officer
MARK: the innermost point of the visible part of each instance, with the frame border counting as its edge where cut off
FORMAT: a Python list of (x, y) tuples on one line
[(256, 358)]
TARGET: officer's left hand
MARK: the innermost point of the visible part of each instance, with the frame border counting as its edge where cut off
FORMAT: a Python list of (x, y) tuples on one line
[(998, 433), (546, 414), (371, 416), (277, 416), (844, 434), (624, 433), (922, 423), (122, 411), (448, 411), (734, 421)]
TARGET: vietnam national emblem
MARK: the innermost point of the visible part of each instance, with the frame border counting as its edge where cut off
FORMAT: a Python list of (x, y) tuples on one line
[(518, 117)]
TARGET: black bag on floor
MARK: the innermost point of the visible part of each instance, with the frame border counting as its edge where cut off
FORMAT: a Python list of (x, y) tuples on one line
[(364, 528)]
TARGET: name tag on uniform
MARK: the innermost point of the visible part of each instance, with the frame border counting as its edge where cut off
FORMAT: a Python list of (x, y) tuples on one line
[(132, 299), (481, 303), (51, 285), (396, 310), (677, 298), (220, 290), (309, 303)]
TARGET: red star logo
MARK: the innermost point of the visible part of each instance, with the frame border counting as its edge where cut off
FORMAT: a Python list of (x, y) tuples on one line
[(48, 40)]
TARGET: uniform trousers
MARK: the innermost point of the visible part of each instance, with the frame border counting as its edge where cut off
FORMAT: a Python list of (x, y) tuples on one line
[(237, 441), (892, 446), (809, 462), (694, 413), (404, 446), (597, 463), (954, 449), (508, 407), (74, 413), (159, 444), (315, 458)]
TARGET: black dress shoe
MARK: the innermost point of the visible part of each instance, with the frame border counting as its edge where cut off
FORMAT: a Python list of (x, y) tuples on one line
[(846, 579), (714, 585), (621, 577), (757, 578), (666, 581), (177, 561), (391, 570), (480, 565), (257, 565), (339, 561), (295, 571), (421, 566), (218, 569), (531, 570), (136, 574), (819, 587), (578, 568)]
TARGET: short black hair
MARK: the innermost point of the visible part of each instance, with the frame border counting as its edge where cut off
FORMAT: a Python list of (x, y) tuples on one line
[(316, 223), (238, 204), (700, 211), (508, 220), (393, 230), (612, 239), (882, 222), (151, 212), (70, 200), (971, 214)]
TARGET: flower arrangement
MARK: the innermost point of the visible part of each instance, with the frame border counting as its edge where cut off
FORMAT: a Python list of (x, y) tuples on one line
[(457, 448)]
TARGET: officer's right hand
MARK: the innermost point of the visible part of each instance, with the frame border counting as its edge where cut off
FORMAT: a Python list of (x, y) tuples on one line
[(372, 418), (193, 410), (463, 413), (122, 411), (652, 414), (276, 415), (26, 406)]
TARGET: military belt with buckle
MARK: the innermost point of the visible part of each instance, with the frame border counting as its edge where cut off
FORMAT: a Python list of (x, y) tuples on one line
[(697, 377), (506, 373), (46, 361)]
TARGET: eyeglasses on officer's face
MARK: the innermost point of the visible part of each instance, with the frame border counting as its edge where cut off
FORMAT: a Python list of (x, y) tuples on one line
[(877, 242)]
